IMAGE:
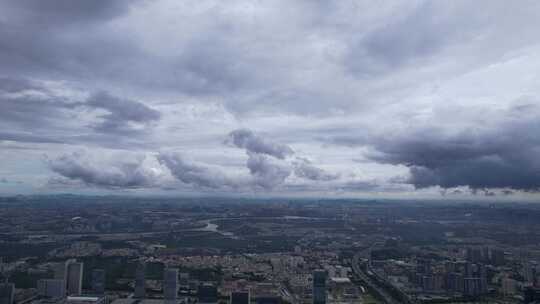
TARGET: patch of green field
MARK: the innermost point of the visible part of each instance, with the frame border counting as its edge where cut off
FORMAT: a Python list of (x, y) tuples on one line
[(369, 299)]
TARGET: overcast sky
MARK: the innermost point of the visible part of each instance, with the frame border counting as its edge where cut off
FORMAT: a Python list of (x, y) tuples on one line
[(300, 98)]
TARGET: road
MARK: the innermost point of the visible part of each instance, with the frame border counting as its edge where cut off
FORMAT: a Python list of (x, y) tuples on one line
[(381, 293)]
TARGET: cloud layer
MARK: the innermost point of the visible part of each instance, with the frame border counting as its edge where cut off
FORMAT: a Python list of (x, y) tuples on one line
[(289, 97), (117, 173)]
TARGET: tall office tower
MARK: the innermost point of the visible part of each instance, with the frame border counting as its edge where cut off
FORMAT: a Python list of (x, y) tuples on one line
[(423, 266), (482, 274), (207, 293), (51, 288), (319, 287), (170, 284), (7, 293), (140, 284), (428, 283), (485, 254), (98, 281), (497, 257), (74, 279), (240, 297), (61, 271)]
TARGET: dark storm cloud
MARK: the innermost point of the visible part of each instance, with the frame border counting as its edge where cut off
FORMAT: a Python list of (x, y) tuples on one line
[(120, 173), (267, 173), (244, 138), (121, 112), (195, 174), (500, 154)]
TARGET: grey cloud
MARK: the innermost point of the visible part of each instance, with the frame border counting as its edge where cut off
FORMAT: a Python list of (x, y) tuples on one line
[(267, 173), (27, 138), (28, 104), (417, 33), (32, 112), (361, 185), (501, 154), (120, 173), (62, 12), (121, 112), (244, 138), (14, 85), (306, 170), (425, 31), (195, 174)]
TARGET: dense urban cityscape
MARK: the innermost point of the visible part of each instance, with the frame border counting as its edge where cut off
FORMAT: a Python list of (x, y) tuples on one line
[(77, 249)]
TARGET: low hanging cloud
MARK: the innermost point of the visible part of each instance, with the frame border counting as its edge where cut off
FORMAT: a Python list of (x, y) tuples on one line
[(196, 174), (246, 139), (304, 169), (267, 172), (120, 172), (273, 174), (121, 112)]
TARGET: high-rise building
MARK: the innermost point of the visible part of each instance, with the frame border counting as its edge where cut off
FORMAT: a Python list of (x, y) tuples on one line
[(319, 287), (428, 283), (530, 273), (207, 293), (508, 286), (140, 284), (482, 274), (240, 297), (51, 288), (170, 284), (531, 295), (454, 282), (98, 281), (472, 287), (61, 269), (74, 279), (497, 257), (70, 272), (474, 254), (7, 292), (423, 266)]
